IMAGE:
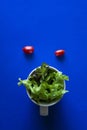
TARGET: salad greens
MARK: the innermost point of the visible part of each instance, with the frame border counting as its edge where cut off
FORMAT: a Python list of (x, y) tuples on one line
[(45, 84)]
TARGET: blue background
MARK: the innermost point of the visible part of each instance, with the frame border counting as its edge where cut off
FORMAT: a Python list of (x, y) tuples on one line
[(47, 25)]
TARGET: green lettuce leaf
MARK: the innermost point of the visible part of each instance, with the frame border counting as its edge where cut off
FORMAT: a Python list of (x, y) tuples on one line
[(45, 84)]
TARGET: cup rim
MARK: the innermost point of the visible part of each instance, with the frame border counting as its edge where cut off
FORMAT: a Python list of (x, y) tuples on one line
[(44, 104)]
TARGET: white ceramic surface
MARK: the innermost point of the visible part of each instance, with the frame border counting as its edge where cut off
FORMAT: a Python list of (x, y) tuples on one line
[(44, 106)]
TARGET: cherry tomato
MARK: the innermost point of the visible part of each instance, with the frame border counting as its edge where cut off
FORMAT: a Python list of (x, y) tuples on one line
[(28, 49), (59, 52)]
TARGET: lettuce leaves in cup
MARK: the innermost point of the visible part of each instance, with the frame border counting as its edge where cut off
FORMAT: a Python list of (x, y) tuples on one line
[(45, 84)]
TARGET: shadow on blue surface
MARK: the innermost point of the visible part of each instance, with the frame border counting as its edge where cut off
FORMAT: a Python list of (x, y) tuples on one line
[(29, 56), (55, 120), (61, 58)]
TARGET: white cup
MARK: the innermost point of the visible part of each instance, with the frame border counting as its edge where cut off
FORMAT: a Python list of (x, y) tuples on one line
[(44, 106)]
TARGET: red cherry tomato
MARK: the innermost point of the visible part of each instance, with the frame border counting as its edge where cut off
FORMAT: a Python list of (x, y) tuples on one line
[(59, 52), (28, 49)]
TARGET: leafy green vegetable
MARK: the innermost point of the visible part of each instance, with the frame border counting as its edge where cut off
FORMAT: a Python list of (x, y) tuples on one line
[(45, 85)]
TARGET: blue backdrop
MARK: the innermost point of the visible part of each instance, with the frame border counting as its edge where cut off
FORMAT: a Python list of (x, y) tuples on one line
[(47, 25)]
